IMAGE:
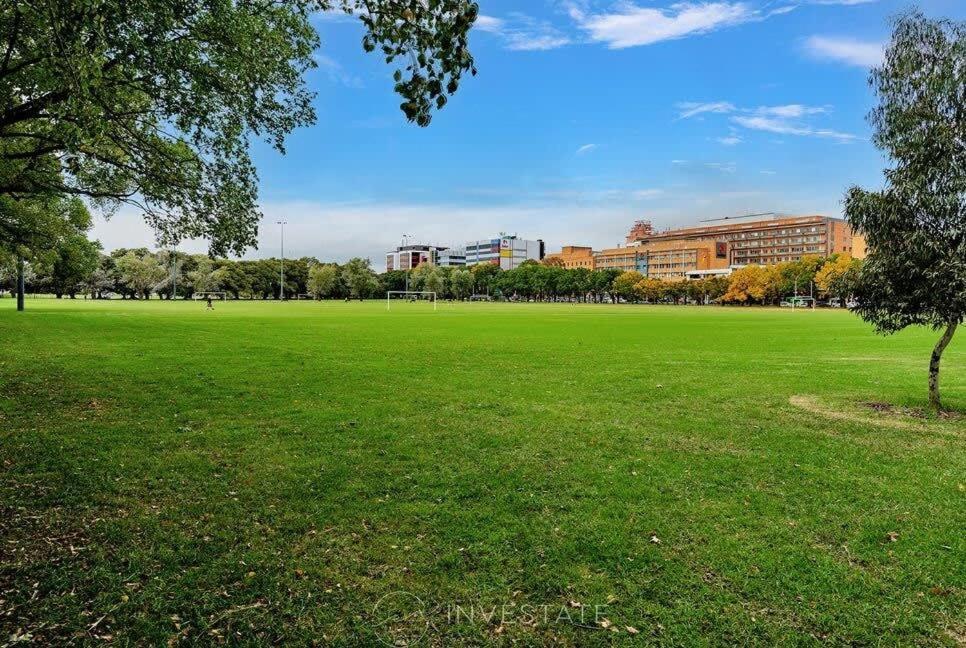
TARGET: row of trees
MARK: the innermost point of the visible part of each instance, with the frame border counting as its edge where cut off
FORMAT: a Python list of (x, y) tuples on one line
[(76, 266)]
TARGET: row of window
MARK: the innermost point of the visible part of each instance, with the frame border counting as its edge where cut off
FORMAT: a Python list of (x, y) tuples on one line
[(767, 233), (784, 241)]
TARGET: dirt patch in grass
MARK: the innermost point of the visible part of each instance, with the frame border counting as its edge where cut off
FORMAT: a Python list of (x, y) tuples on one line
[(879, 414), (889, 408)]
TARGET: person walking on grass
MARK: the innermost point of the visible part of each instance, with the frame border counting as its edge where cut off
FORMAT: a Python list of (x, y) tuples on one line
[(210, 305)]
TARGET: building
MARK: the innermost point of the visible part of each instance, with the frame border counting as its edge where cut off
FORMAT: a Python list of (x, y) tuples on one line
[(408, 257), (715, 249), (451, 257), (507, 251), (574, 256), (668, 260), (761, 240)]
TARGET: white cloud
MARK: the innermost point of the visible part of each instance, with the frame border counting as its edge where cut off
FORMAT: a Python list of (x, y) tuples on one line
[(785, 119), (336, 72), (647, 194), (845, 50), (766, 172), (631, 26), (586, 148), (789, 111), (521, 32), (784, 127), (692, 108), (489, 24)]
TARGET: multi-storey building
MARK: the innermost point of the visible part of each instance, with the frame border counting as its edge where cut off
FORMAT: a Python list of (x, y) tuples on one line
[(765, 240), (507, 251), (666, 259), (714, 249), (408, 257), (574, 256), (452, 257)]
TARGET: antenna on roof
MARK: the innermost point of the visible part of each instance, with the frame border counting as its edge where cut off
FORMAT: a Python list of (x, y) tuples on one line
[(712, 220)]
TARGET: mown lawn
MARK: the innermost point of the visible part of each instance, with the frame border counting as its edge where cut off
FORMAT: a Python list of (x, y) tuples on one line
[(531, 473)]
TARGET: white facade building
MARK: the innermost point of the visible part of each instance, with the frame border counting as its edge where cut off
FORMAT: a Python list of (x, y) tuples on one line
[(453, 257), (507, 251)]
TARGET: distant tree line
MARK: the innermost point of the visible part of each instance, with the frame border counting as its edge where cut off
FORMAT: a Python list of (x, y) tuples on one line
[(77, 267), (81, 269)]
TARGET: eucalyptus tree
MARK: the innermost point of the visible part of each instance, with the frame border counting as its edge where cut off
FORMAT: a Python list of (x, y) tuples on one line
[(915, 227)]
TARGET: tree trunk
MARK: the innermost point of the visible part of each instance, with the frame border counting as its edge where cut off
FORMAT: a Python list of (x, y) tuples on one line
[(20, 283), (937, 355)]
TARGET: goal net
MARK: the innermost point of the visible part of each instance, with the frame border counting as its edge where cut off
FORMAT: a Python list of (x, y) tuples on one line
[(206, 294), (411, 295)]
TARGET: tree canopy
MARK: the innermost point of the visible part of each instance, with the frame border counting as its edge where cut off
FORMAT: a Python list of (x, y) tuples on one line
[(154, 102), (915, 227)]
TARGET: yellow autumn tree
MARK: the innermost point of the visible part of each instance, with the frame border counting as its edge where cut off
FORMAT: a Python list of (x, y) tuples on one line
[(624, 284), (837, 277), (748, 285)]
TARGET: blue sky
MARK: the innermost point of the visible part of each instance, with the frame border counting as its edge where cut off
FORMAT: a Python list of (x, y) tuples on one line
[(585, 115)]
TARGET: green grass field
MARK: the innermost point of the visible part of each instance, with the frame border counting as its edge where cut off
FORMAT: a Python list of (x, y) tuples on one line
[(532, 473)]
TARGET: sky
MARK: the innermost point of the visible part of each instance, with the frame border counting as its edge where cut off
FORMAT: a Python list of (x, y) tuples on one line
[(585, 116)]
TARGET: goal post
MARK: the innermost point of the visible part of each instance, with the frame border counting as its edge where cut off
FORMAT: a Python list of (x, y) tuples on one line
[(409, 293)]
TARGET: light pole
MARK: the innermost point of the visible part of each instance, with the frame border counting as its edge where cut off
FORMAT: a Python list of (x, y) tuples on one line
[(405, 241), (281, 285), (174, 274)]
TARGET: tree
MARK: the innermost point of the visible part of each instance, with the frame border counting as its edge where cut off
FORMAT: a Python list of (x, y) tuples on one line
[(32, 229), (554, 261), (140, 273), (838, 277), (462, 283), (433, 280), (484, 276), (153, 102), (75, 260), (915, 227), (625, 285), (322, 280), (395, 279), (792, 277), (748, 285), (101, 280), (360, 279), (206, 277)]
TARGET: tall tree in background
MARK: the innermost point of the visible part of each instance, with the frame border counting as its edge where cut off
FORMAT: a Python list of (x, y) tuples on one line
[(153, 102), (359, 278), (322, 279), (915, 273), (74, 261)]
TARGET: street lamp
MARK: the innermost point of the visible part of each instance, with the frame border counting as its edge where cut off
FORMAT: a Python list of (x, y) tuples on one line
[(174, 273), (281, 285), (405, 241)]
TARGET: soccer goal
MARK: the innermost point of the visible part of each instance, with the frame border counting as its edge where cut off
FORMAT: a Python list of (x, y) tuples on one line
[(301, 296), (222, 296), (413, 295)]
